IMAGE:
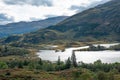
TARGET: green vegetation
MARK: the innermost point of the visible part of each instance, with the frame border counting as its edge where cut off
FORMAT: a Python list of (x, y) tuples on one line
[(37, 69), (116, 47), (100, 48), (93, 48), (46, 70), (3, 65), (7, 50), (73, 60)]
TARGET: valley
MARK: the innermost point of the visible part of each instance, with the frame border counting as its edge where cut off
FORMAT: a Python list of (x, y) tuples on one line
[(83, 46)]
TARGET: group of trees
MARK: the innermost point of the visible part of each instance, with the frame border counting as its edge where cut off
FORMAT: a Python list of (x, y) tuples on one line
[(99, 66), (116, 47), (91, 71), (8, 50), (96, 48), (41, 65), (70, 62), (100, 48), (93, 48), (59, 65)]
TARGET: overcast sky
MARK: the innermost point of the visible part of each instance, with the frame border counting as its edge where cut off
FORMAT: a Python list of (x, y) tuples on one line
[(29, 10)]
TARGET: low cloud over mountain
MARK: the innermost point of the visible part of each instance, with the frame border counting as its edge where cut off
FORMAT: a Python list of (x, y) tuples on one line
[(24, 10)]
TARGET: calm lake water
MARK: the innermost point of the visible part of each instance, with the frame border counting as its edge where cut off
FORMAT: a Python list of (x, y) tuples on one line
[(84, 56)]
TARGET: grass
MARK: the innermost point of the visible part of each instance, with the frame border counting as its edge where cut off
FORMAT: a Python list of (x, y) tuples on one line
[(31, 56), (22, 74)]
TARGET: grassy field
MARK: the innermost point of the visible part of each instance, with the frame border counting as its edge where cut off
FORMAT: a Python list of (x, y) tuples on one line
[(70, 74)]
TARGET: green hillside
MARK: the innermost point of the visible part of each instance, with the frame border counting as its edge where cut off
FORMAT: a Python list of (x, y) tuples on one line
[(102, 21)]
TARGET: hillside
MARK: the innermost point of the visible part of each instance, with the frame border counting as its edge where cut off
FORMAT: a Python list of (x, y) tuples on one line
[(25, 27), (99, 23), (103, 20)]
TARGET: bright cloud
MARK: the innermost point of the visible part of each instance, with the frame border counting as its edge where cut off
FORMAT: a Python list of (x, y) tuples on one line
[(26, 10)]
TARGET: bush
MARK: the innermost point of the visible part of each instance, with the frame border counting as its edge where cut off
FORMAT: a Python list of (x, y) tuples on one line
[(3, 65)]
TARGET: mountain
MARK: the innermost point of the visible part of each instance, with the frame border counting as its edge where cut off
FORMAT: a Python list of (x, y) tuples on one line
[(25, 27), (99, 23), (103, 20)]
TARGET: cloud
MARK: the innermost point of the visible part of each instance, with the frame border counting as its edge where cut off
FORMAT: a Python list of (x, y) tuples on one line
[(78, 8), (29, 10), (5, 18), (30, 2), (50, 16), (92, 4)]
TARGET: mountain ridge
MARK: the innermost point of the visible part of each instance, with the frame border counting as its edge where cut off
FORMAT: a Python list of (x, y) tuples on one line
[(98, 23), (26, 27)]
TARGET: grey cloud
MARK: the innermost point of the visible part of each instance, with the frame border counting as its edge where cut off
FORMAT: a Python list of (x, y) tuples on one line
[(34, 19), (48, 16), (4, 19), (30, 2), (82, 8)]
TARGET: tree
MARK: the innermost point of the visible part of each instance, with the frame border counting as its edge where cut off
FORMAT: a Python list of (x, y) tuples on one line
[(98, 62), (40, 62), (20, 64), (31, 65), (68, 63), (25, 63), (59, 61), (58, 67), (73, 60), (92, 48), (5, 48)]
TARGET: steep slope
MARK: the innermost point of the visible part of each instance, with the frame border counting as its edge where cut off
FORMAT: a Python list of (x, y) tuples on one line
[(25, 27), (102, 19), (99, 23)]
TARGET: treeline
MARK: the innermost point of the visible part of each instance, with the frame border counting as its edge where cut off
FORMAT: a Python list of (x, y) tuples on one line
[(93, 48), (41, 65), (93, 71), (71, 62), (99, 66), (100, 48), (83, 71), (8, 50), (96, 48), (116, 47)]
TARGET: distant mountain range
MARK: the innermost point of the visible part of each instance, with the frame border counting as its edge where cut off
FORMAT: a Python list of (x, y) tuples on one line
[(99, 23), (25, 27)]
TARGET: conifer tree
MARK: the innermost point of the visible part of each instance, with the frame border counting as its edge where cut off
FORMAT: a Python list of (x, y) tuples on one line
[(59, 61), (73, 60), (68, 63)]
